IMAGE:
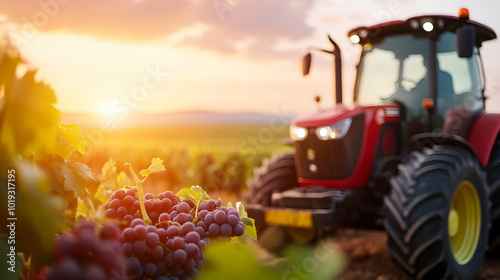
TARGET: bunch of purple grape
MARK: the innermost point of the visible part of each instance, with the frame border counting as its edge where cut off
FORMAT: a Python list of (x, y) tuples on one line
[(87, 254), (224, 221), (125, 205), (174, 250), (143, 246), (173, 246)]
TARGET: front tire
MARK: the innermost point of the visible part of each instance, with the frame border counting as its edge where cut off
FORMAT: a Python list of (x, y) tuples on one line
[(275, 175), (438, 215)]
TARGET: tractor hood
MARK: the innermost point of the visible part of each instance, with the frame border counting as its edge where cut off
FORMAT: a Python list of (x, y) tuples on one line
[(329, 116), (335, 148)]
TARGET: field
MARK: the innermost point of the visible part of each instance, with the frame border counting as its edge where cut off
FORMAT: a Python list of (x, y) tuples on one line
[(217, 157)]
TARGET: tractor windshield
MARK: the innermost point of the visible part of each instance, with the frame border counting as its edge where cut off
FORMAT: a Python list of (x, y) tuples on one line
[(394, 69), (459, 82), (397, 69)]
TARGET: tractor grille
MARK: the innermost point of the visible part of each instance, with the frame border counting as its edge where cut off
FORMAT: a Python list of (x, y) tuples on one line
[(332, 159)]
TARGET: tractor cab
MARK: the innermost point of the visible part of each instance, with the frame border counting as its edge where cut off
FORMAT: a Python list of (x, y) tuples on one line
[(429, 65)]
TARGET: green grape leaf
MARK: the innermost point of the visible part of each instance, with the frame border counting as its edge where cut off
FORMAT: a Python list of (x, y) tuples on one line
[(110, 180), (102, 194), (327, 259), (108, 175), (85, 208), (251, 231), (8, 65), (249, 223), (109, 168), (29, 116), (235, 261), (249, 262), (69, 138), (156, 166), (122, 179), (194, 193), (241, 210), (78, 178)]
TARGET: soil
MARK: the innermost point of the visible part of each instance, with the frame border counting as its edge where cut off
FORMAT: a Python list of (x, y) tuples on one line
[(369, 258)]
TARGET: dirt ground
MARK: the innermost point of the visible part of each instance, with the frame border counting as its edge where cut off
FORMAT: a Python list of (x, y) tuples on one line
[(369, 258)]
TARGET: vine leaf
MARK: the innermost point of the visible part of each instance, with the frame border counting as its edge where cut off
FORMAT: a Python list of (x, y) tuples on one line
[(243, 262), (109, 169), (156, 166), (29, 116), (102, 194), (69, 138), (248, 222), (194, 193), (78, 178), (8, 65), (85, 208), (110, 180), (249, 262)]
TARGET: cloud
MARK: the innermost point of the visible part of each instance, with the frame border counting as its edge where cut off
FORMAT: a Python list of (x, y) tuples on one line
[(259, 23), (224, 26)]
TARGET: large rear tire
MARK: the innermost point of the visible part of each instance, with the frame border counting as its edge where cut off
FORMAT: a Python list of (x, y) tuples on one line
[(494, 186), (275, 175), (438, 215)]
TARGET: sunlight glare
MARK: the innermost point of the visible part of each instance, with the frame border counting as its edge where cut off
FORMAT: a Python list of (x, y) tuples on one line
[(105, 109)]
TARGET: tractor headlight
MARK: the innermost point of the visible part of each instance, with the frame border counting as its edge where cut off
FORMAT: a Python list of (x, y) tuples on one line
[(298, 133), (334, 131)]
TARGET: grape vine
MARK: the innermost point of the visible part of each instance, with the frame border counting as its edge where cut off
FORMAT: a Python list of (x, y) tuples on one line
[(160, 236)]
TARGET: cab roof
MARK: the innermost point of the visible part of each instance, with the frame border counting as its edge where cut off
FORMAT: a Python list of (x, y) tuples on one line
[(414, 25)]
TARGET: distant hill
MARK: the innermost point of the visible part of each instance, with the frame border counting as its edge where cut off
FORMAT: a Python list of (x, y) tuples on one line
[(183, 118)]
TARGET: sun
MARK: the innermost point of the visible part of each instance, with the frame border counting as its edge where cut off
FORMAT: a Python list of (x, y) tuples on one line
[(104, 108)]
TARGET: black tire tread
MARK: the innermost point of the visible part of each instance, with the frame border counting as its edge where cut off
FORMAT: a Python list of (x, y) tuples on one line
[(414, 204), (275, 175), (494, 193)]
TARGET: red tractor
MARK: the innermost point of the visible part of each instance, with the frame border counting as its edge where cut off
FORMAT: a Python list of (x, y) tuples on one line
[(416, 155)]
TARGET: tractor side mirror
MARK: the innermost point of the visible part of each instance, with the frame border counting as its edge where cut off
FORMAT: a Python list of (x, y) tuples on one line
[(306, 64), (466, 38)]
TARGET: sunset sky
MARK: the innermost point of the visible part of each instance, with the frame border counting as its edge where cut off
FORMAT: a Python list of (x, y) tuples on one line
[(218, 55)]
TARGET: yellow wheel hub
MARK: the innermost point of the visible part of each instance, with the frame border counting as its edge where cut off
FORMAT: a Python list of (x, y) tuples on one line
[(464, 222), (453, 223)]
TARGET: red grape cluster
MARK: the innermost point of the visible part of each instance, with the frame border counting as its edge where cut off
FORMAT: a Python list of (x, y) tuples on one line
[(143, 243), (85, 254), (125, 205), (224, 221), (176, 251), (185, 256), (172, 248)]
